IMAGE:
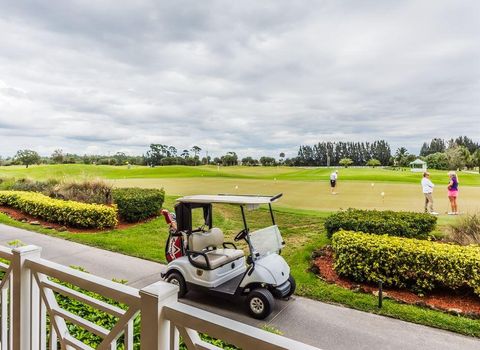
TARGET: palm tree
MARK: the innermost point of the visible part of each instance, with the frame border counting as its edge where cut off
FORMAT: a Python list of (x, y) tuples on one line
[(196, 151)]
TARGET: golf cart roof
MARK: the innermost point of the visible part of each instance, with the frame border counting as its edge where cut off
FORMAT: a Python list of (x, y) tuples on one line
[(229, 199)]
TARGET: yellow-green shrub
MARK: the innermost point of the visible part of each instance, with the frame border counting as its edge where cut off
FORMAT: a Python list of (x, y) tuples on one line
[(69, 213), (410, 263), (392, 223)]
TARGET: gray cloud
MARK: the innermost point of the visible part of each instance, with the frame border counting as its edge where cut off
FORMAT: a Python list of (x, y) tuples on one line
[(254, 77)]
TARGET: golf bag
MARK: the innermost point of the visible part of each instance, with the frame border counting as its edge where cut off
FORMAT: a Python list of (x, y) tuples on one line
[(174, 248)]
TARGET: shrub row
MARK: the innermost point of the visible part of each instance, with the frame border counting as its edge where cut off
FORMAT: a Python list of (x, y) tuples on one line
[(69, 213), (91, 191), (403, 224), (136, 204), (418, 265)]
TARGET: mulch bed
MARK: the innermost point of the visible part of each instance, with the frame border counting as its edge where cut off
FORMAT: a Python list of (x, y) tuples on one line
[(458, 302), (19, 216)]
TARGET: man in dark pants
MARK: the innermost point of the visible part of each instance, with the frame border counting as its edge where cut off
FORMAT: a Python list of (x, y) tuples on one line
[(333, 181)]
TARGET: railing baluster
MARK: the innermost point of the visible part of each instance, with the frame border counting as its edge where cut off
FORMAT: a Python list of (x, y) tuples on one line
[(43, 324), (53, 338), (128, 335), (35, 316), (174, 337), (5, 326)]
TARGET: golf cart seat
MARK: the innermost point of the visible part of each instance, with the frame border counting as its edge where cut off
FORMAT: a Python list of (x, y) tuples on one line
[(212, 257)]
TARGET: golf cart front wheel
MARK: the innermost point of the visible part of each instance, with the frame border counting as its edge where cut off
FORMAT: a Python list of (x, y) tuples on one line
[(260, 303), (293, 286), (178, 280)]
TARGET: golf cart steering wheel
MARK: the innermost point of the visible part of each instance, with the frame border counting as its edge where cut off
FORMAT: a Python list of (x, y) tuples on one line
[(241, 235)]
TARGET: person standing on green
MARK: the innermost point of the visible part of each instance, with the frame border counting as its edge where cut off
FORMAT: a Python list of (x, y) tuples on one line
[(427, 187), (333, 181)]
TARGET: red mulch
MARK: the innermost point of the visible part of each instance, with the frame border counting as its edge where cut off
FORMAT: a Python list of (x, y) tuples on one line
[(19, 216), (463, 302)]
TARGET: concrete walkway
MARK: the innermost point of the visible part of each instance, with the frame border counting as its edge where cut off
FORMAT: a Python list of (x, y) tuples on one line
[(326, 326)]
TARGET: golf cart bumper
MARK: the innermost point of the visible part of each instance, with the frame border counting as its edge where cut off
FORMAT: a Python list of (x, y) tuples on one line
[(282, 290)]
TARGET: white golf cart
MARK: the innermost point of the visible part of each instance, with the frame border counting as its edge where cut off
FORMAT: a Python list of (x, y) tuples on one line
[(199, 258)]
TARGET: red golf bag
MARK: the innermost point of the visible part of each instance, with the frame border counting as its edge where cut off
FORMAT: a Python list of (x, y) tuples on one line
[(175, 247)]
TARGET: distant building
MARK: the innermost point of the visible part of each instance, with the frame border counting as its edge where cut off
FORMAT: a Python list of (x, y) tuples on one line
[(418, 166)]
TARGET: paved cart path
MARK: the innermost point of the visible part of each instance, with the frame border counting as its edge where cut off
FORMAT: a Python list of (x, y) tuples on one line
[(326, 326)]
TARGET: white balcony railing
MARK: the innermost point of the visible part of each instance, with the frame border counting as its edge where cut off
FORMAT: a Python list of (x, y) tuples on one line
[(32, 318)]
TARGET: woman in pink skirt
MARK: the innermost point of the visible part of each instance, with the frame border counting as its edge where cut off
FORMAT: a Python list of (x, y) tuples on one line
[(453, 192)]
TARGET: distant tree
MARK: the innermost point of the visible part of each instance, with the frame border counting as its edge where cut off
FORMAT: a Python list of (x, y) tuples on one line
[(156, 153), (58, 156), (229, 159), (249, 161), (437, 145), (282, 157), (468, 143), (120, 158), (476, 159), (437, 160), (196, 151), (27, 157), (268, 161), (185, 154), (171, 151), (346, 162), (401, 157), (425, 150), (457, 157), (374, 162)]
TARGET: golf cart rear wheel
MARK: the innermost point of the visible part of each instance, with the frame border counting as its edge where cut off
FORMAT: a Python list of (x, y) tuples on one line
[(260, 303), (293, 286), (178, 280)]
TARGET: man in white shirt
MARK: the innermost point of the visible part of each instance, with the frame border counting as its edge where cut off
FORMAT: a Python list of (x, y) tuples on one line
[(427, 187), (333, 181)]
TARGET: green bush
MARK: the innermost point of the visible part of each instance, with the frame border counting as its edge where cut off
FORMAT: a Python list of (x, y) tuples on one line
[(466, 229), (69, 213), (136, 204), (403, 224), (45, 187), (418, 265), (94, 191)]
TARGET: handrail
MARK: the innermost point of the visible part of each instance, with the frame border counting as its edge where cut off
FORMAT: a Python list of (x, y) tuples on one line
[(113, 290), (230, 331), (84, 298), (6, 253)]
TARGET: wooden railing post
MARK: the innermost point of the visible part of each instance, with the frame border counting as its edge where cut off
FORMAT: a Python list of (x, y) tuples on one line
[(25, 300), (155, 331)]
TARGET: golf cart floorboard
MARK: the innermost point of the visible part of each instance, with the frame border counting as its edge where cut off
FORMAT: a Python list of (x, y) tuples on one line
[(229, 287)]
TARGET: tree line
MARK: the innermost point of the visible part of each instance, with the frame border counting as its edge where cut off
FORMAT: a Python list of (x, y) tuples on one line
[(458, 153), (343, 153)]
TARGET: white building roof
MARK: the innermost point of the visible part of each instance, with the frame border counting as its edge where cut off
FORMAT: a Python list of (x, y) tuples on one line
[(418, 161), (229, 199)]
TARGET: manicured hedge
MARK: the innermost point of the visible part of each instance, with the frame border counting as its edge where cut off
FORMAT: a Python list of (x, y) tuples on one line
[(403, 224), (69, 213), (418, 265), (136, 204)]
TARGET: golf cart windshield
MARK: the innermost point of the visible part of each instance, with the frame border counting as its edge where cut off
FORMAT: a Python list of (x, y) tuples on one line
[(266, 241)]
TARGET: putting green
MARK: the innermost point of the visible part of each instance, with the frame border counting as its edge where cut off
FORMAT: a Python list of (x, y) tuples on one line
[(315, 195)]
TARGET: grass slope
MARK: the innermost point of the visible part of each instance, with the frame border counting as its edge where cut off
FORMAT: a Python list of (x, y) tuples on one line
[(81, 171), (303, 232)]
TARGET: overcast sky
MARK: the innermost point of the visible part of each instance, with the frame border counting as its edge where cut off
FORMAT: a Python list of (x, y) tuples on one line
[(256, 77)]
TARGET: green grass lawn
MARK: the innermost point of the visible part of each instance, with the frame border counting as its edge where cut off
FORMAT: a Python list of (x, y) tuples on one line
[(303, 232), (81, 171)]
